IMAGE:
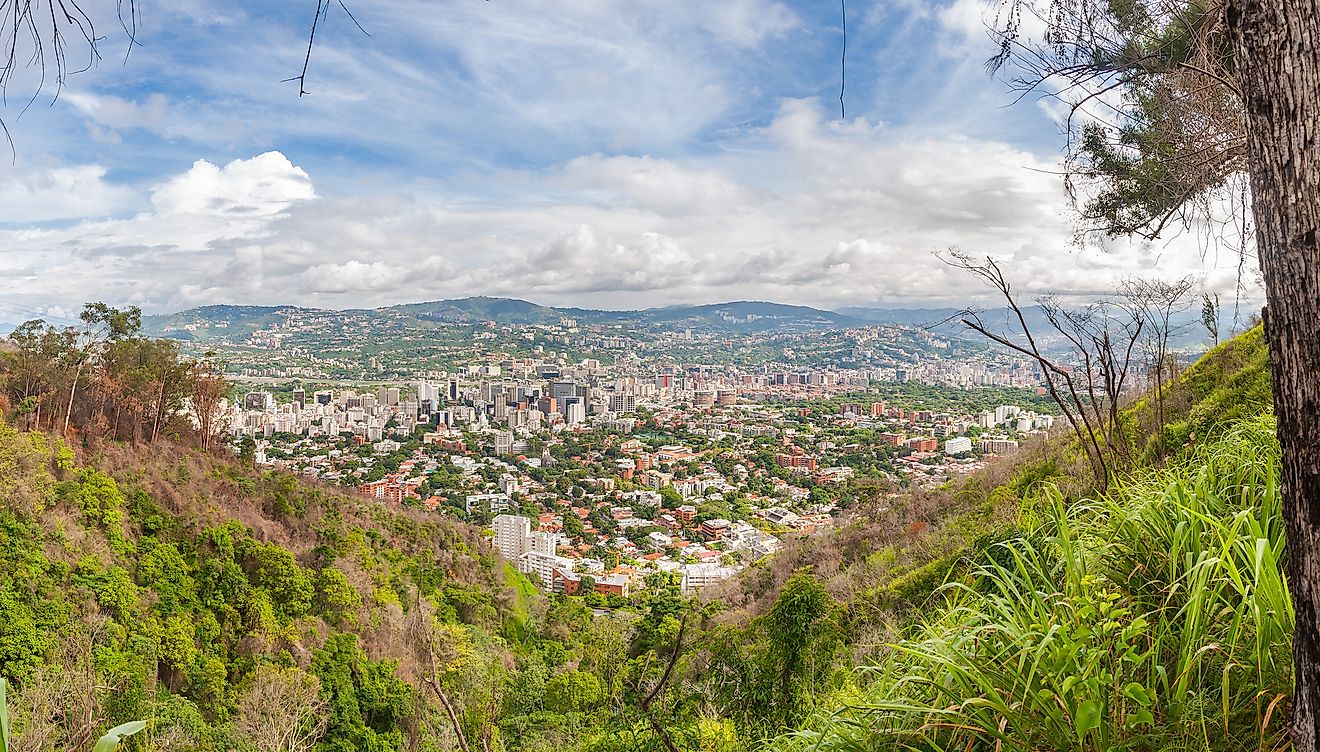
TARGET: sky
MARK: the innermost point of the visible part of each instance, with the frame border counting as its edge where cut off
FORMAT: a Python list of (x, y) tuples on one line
[(596, 153)]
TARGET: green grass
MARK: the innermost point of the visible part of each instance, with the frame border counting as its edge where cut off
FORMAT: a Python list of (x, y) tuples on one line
[(1154, 618), (518, 625), (1228, 384)]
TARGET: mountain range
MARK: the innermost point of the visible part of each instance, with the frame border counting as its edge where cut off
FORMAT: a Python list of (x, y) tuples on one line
[(733, 317)]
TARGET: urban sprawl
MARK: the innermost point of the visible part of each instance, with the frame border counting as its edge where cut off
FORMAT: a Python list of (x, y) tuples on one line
[(593, 477)]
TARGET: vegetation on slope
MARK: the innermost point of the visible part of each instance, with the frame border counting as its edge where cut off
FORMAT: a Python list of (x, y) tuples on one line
[(224, 604), (1154, 618)]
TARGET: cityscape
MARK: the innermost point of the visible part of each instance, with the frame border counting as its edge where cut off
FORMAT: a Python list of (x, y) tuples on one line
[(611, 469)]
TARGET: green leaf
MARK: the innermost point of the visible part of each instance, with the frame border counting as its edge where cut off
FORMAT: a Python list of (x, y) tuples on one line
[(110, 742), (1087, 718), (1138, 693), (4, 719)]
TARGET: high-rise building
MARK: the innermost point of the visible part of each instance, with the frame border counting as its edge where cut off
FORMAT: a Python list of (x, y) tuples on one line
[(561, 390), (511, 533), (575, 413), (428, 391), (623, 402)]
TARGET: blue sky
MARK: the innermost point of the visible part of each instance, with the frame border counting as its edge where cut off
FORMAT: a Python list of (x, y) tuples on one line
[(585, 152)]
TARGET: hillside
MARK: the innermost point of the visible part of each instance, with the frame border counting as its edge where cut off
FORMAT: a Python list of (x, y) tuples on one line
[(161, 584), (234, 323), (220, 602), (1045, 616)]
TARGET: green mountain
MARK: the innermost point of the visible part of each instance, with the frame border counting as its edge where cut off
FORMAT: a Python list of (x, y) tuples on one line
[(235, 323), (217, 321), (479, 309)]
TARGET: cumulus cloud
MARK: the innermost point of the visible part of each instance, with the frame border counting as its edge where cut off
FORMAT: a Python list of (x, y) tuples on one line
[(804, 210), (262, 186), (354, 276)]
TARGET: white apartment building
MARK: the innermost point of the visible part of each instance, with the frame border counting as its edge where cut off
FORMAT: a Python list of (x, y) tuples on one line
[(511, 534), (958, 445), (575, 413), (698, 576), (543, 566)]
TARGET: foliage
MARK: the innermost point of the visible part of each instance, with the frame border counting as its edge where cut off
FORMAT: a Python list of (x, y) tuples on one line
[(1156, 617), (222, 602)]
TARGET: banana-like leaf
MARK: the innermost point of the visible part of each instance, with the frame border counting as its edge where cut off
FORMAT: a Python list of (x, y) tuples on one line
[(4, 719), (110, 742)]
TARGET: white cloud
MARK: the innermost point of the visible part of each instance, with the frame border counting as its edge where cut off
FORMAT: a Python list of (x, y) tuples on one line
[(968, 19), (804, 210), (118, 113), (60, 193), (264, 185), (354, 276)]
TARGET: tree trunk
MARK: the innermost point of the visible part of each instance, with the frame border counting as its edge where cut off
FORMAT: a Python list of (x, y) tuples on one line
[(160, 408), (1277, 45), (77, 374)]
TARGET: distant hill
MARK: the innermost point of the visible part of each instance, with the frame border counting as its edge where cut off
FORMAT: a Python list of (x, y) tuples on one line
[(215, 321), (229, 321), (464, 310), (743, 315), (233, 322)]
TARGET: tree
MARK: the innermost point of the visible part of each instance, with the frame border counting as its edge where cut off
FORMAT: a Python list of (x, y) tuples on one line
[(1100, 339), (802, 640), (1211, 92), (282, 710), (1158, 302), (669, 498), (247, 450), (101, 324), (573, 692), (366, 702), (586, 585), (209, 388), (62, 704), (1276, 46)]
